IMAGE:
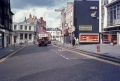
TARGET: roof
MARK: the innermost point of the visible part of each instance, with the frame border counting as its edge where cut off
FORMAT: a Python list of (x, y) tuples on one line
[(23, 23), (53, 29)]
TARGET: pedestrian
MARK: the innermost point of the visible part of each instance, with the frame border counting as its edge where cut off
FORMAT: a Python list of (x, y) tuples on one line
[(77, 41), (73, 42)]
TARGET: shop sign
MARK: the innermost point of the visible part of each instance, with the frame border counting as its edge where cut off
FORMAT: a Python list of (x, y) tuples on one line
[(85, 27), (93, 7)]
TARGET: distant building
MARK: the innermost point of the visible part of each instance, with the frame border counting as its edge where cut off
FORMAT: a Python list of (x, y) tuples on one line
[(6, 16), (23, 31), (34, 20), (55, 33)]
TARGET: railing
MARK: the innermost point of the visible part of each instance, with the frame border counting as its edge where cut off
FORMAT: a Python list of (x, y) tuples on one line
[(113, 23)]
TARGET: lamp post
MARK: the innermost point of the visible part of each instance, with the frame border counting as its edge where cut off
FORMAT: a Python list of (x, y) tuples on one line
[(63, 19)]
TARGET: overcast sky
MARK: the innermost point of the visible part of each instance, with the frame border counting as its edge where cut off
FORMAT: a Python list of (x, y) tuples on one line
[(39, 8)]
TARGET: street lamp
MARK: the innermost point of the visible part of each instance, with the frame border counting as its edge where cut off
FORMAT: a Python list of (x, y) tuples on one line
[(63, 19)]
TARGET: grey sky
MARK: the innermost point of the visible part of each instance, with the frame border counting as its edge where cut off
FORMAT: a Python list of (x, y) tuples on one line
[(21, 4), (39, 8)]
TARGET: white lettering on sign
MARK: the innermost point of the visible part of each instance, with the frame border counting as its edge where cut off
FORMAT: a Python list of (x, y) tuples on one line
[(43, 35), (93, 7)]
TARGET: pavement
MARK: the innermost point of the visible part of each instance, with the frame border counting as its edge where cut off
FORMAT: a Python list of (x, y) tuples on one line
[(106, 50), (6, 51)]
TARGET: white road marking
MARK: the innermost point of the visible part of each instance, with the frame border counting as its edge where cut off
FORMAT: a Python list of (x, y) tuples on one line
[(61, 54), (92, 57)]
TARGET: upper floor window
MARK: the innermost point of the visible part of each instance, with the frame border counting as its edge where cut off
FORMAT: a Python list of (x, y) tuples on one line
[(29, 27), (25, 27), (21, 27), (15, 27)]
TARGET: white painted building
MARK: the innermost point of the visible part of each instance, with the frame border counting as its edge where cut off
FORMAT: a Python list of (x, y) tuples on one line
[(110, 20), (70, 15), (23, 31), (55, 33)]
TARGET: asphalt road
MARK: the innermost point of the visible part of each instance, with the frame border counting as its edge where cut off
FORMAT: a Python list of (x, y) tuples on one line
[(49, 63)]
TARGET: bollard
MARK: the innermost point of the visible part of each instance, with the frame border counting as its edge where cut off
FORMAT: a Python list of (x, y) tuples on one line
[(98, 48)]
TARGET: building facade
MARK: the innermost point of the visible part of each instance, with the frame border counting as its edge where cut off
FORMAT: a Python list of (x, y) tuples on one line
[(6, 16), (69, 21), (55, 33), (34, 20), (112, 26), (39, 22), (23, 32), (86, 21)]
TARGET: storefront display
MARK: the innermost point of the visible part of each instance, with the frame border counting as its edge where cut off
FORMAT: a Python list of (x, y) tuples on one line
[(107, 38), (89, 37)]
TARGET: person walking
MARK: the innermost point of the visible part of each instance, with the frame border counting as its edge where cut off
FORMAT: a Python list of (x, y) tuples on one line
[(77, 41), (73, 42)]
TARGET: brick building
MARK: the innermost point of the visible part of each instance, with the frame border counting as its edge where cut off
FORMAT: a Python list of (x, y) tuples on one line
[(34, 20)]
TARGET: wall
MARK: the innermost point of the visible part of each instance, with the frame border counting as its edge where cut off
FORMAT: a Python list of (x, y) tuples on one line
[(83, 16)]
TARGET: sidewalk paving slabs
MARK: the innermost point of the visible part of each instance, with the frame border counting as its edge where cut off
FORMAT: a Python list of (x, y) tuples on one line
[(5, 55)]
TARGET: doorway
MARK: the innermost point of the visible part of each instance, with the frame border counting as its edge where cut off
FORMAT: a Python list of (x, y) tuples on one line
[(15, 38)]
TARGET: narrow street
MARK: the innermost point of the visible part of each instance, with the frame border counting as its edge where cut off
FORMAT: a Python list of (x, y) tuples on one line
[(49, 63)]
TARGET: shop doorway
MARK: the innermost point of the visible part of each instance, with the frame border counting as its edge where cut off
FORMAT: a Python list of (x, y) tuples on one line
[(15, 39)]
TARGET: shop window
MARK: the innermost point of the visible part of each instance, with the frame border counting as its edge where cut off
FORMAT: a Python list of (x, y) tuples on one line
[(105, 37), (29, 27), (89, 38), (21, 36), (15, 27), (25, 27), (21, 27), (25, 36)]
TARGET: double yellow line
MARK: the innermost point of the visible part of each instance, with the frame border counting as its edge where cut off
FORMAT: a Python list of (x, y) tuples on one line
[(89, 56), (4, 58)]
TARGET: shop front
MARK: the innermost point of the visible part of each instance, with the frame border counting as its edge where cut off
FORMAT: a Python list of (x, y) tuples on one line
[(86, 35), (106, 37), (109, 33), (89, 38)]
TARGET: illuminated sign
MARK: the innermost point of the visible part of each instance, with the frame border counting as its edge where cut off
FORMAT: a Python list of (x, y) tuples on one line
[(85, 27)]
